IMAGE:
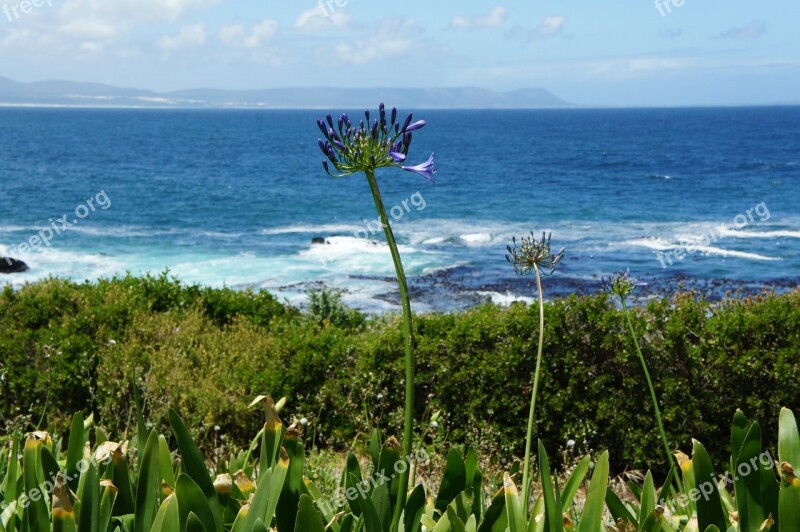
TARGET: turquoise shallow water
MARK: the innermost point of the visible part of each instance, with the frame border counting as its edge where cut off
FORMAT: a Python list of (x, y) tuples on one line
[(235, 197)]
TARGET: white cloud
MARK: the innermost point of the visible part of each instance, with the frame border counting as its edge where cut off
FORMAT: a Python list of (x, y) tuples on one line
[(495, 19), (319, 18), (241, 37), (188, 37), (85, 19), (754, 30), (92, 26), (393, 37), (550, 27)]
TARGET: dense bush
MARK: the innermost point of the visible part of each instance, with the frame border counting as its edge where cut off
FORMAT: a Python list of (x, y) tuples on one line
[(68, 347)]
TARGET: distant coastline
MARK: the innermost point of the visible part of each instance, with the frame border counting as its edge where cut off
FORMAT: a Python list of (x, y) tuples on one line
[(94, 95)]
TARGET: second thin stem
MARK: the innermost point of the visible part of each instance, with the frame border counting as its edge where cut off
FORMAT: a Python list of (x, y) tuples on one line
[(529, 439)]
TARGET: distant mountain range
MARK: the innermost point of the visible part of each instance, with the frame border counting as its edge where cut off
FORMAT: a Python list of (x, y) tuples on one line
[(69, 93)]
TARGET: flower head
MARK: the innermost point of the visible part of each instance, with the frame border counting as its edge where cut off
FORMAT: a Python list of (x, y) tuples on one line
[(621, 284), (371, 144), (531, 254)]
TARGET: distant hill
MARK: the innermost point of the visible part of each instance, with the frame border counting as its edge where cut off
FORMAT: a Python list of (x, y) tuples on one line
[(69, 93)]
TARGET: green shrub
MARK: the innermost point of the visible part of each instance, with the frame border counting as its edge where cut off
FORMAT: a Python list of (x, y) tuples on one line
[(208, 352), (325, 304)]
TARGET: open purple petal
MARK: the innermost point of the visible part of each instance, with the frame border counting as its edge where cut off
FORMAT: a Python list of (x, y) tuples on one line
[(426, 169)]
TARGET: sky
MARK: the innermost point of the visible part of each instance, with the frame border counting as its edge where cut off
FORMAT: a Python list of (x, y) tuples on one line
[(620, 53)]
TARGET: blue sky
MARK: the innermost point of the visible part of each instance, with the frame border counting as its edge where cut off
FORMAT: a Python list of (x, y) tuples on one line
[(626, 52)]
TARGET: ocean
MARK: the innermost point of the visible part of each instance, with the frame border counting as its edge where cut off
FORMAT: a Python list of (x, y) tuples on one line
[(685, 198)]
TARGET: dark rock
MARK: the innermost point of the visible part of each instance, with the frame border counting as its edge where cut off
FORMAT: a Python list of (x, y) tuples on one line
[(9, 265), (318, 240)]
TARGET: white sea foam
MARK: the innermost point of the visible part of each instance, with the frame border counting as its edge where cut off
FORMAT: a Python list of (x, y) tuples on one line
[(476, 238), (323, 229), (660, 244), (711, 250), (733, 233), (506, 299)]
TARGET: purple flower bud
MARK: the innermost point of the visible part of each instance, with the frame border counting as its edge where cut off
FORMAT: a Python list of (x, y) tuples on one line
[(406, 140), (408, 121), (382, 109), (416, 125), (398, 156), (327, 149), (330, 121), (325, 166), (366, 113), (322, 128), (372, 160), (394, 115), (375, 129)]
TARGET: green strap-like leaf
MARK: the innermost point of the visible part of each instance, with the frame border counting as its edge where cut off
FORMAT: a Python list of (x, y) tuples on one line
[(709, 505), (191, 499), (35, 515), (308, 518), (167, 519), (788, 440), (75, 450), (789, 506), (415, 506), (553, 520), (592, 516), (454, 480), (574, 482), (193, 463), (648, 501), (747, 480), (147, 486), (89, 496), (120, 476), (514, 512), (618, 509), (495, 519), (166, 473)]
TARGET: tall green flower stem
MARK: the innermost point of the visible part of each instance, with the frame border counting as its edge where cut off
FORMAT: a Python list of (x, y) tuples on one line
[(653, 396), (408, 341), (529, 439)]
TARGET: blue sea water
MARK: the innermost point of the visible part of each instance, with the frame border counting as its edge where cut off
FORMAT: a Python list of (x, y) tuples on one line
[(235, 197)]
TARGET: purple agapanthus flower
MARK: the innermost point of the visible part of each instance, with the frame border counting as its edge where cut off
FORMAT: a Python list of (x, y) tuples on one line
[(377, 142)]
